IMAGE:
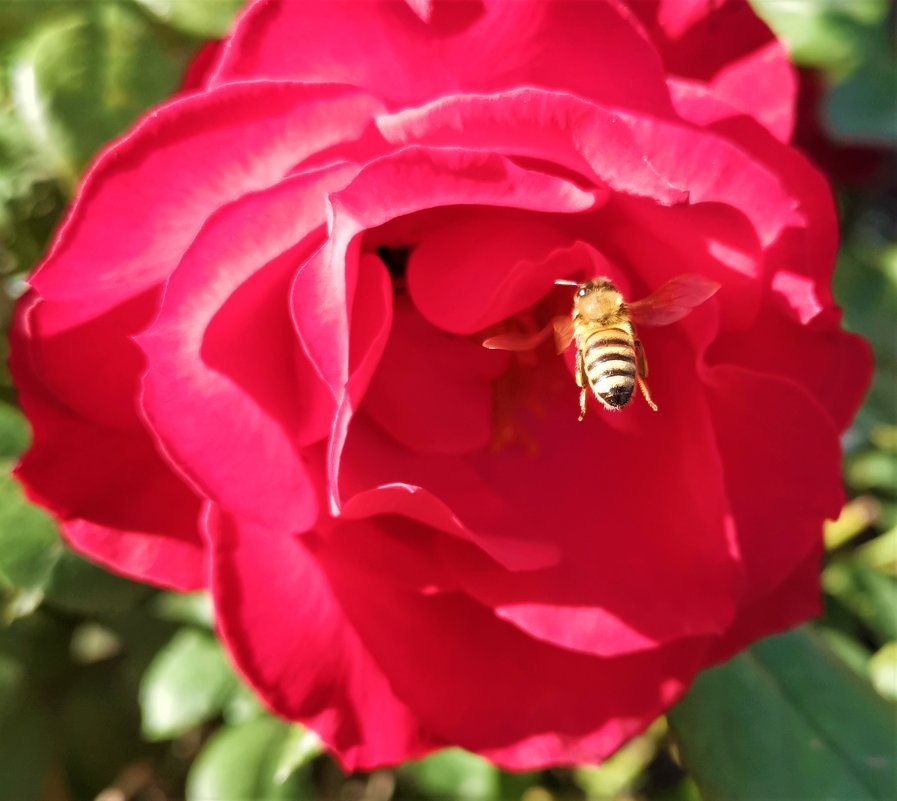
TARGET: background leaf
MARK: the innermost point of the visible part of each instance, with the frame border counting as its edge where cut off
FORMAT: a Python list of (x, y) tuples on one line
[(785, 720), (187, 683), (240, 762)]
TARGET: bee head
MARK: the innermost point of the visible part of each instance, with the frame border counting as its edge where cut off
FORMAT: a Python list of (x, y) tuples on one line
[(596, 298)]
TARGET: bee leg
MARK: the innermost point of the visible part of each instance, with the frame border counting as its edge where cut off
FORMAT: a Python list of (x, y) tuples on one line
[(581, 383), (642, 374)]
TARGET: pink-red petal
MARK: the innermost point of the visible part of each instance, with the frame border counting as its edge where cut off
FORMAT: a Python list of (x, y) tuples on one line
[(118, 502), (228, 388), (433, 391), (284, 624), (592, 510), (147, 196), (781, 466), (724, 45), (405, 57)]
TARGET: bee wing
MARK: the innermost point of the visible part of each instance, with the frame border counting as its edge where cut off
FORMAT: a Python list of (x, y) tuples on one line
[(563, 333), (516, 341), (672, 301)]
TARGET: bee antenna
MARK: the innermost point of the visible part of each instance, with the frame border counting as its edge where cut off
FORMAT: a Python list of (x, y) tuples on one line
[(565, 282)]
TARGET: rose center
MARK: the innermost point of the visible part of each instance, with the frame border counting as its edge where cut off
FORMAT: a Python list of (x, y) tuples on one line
[(396, 261)]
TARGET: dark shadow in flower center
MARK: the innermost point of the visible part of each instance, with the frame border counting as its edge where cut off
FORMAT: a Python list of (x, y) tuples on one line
[(396, 261)]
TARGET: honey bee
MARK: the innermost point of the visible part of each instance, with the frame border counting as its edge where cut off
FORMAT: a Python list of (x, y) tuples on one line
[(610, 359)]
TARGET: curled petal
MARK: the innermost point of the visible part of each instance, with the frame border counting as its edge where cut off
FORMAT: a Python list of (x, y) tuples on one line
[(468, 46), (126, 509), (146, 197), (284, 623), (228, 388)]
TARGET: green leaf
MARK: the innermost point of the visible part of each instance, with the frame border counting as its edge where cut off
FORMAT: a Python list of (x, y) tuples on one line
[(453, 773), (880, 553), (863, 108), (29, 548), (831, 35), (622, 771), (187, 683), (869, 594), (194, 608), (77, 585), (24, 736), (239, 763), (848, 649), (82, 79), (300, 747), (40, 642), (243, 705), (206, 19), (883, 670), (13, 432), (786, 720), (99, 725), (865, 284)]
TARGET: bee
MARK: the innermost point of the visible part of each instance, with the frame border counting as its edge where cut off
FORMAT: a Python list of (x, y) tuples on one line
[(610, 359)]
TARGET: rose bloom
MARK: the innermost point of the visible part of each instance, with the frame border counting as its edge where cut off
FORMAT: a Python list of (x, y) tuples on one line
[(253, 363)]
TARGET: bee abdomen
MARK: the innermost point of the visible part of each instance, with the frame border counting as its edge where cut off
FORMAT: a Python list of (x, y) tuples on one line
[(610, 366)]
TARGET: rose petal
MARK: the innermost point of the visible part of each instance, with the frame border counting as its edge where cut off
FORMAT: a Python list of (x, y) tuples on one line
[(480, 663), (764, 85), (418, 504), (146, 197), (117, 500), (412, 180), (781, 467), (361, 637), (433, 391), (725, 45), (818, 356), (228, 389), (648, 158), (555, 127), (63, 349), (475, 272), (284, 624), (466, 46), (801, 254), (684, 528), (797, 599)]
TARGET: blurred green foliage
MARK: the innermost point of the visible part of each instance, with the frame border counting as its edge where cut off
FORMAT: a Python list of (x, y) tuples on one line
[(108, 685)]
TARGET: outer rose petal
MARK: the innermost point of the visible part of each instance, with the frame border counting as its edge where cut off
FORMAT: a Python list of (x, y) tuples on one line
[(463, 684), (796, 599), (818, 356), (463, 46), (645, 157), (555, 127), (118, 501), (724, 44), (63, 350), (781, 462), (222, 359), (284, 624), (161, 182), (200, 68), (800, 261), (358, 676), (802, 254)]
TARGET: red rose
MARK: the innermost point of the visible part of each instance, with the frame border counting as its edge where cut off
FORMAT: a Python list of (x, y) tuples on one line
[(253, 362)]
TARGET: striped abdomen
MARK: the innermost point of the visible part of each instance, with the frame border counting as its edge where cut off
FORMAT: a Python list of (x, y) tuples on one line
[(609, 363)]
